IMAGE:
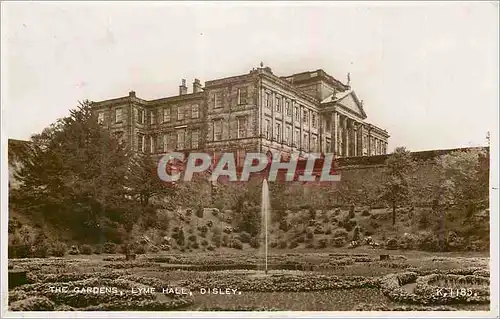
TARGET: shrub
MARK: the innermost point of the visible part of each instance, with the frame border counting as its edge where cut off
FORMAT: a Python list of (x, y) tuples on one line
[(237, 244), (293, 244), (194, 245), (74, 250), (98, 249), (365, 212), (428, 241), (58, 249), (225, 240), (199, 212), (203, 229), (455, 242), (340, 232), (322, 243), (338, 241), (86, 249), (282, 244), (328, 231), (309, 245), (138, 249), (110, 248), (189, 212), (273, 244), (319, 230), (392, 244), (407, 242), (215, 212), (245, 237), (309, 235), (204, 242), (283, 225), (254, 242), (211, 248), (210, 223), (192, 238)]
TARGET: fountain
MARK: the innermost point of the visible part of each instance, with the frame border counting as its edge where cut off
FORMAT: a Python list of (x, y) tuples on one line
[(265, 210)]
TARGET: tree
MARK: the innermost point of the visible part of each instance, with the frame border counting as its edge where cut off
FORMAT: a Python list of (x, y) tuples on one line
[(75, 175), (399, 166)]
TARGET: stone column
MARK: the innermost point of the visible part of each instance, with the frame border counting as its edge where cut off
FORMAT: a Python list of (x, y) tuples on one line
[(334, 133), (347, 137), (355, 148), (360, 139)]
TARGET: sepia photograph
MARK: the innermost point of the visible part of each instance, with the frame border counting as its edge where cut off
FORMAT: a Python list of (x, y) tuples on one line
[(261, 159)]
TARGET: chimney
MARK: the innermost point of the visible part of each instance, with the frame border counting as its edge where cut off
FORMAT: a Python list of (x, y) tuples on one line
[(183, 88), (196, 86), (131, 93)]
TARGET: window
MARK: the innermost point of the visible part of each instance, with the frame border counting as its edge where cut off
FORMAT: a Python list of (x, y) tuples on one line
[(278, 104), (181, 136), (304, 117), (268, 100), (195, 138), (242, 127), (165, 142), (297, 114), (288, 108), (313, 119), (195, 111), (140, 116), (314, 145), (152, 117), (166, 115), (297, 137), (242, 96), (100, 117), (151, 143), (140, 142), (180, 113), (268, 128), (288, 134), (327, 146), (278, 132), (305, 142), (118, 115), (119, 137), (217, 130), (217, 100)]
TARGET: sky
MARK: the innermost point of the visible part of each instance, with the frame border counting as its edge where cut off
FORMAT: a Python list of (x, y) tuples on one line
[(427, 72)]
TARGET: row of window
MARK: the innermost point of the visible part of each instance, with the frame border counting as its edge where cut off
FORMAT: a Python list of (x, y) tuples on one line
[(241, 97), (140, 114), (241, 128), (289, 138), (278, 105), (179, 140)]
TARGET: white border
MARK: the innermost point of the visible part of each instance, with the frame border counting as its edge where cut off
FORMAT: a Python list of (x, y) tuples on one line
[(494, 230)]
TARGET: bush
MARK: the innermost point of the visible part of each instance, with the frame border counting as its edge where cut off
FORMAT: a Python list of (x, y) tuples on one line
[(204, 242), (391, 244), (338, 241), (203, 229), (283, 225), (309, 245), (98, 249), (273, 244), (245, 237), (455, 242), (154, 249), (86, 249), (110, 248), (356, 234), (407, 242), (74, 250), (351, 212), (322, 243), (428, 241), (309, 235), (282, 244), (366, 212), (340, 232), (293, 244), (194, 245), (211, 248), (192, 238), (58, 249), (237, 244), (225, 240), (199, 212), (328, 231), (254, 242)]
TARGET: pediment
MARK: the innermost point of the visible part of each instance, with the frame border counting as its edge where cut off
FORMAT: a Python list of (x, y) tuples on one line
[(348, 100)]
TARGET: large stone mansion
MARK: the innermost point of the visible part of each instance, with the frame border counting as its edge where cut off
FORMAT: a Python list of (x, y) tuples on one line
[(256, 112)]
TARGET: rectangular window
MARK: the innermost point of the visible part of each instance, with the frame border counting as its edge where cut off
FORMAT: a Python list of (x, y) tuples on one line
[(152, 117), (140, 116), (242, 127), (140, 142), (288, 135), (195, 139), (278, 104), (268, 100), (242, 96), (217, 130), (119, 137), (297, 138), (181, 136), (278, 132), (165, 142), (314, 145), (268, 129), (166, 115), (100, 117), (195, 111), (288, 108), (297, 114), (313, 119), (180, 113), (305, 142), (217, 100), (304, 117), (118, 115), (152, 140)]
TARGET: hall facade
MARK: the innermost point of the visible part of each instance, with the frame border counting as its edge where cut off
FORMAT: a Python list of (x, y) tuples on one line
[(308, 112)]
